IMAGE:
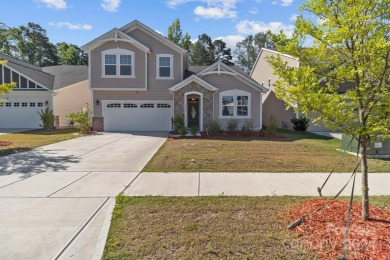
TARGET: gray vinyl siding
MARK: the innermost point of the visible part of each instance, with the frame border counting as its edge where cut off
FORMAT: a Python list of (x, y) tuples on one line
[(125, 95), (158, 47), (96, 68), (228, 82)]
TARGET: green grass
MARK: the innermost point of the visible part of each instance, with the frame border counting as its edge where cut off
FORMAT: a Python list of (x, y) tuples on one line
[(206, 228), (28, 140), (296, 152)]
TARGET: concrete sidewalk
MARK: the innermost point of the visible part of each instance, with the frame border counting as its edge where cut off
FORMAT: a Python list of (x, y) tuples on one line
[(251, 184)]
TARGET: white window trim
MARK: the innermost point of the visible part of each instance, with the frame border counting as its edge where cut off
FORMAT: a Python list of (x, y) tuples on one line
[(235, 93), (158, 66), (118, 52)]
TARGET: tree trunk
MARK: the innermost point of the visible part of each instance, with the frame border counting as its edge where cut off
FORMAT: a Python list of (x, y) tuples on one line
[(364, 166)]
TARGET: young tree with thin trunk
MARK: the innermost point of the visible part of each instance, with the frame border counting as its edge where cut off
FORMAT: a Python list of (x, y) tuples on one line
[(351, 45)]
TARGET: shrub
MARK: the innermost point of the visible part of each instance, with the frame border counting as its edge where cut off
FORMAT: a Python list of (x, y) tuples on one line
[(273, 126), (214, 127), (300, 124), (47, 118), (194, 130), (232, 126), (83, 119), (247, 126), (178, 122)]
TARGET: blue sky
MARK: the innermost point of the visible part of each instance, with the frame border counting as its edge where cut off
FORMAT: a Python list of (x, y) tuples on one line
[(80, 21)]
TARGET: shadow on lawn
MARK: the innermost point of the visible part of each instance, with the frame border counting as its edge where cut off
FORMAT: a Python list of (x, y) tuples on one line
[(31, 162)]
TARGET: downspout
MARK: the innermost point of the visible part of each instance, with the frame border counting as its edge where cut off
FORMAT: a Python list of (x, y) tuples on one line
[(173, 107), (261, 111)]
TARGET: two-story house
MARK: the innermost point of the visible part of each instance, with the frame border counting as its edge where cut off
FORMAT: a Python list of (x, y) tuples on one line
[(140, 80)]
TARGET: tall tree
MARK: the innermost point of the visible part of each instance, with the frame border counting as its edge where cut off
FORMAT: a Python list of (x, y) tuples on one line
[(248, 49), (351, 44), (174, 32), (70, 54), (31, 44), (175, 35), (221, 53), (202, 51), (185, 42)]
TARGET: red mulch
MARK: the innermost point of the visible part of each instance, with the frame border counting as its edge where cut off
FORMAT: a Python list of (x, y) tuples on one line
[(5, 143), (324, 231)]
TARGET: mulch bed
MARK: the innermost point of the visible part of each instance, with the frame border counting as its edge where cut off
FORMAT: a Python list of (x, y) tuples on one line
[(236, 135), (324, 231), (4, 143)]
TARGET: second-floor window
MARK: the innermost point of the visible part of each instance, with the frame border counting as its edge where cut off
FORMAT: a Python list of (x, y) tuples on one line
[(164, 66), (118, 63)]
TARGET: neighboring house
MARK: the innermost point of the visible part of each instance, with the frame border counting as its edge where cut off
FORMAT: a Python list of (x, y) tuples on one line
[(140, 81), (263, 73), (38, 88), (71, 90)]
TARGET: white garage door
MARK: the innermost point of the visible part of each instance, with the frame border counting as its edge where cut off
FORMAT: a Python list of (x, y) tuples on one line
[(137, 115), (20, 114)]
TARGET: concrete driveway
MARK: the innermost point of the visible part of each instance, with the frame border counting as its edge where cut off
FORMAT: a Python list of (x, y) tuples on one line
[(56, 201)]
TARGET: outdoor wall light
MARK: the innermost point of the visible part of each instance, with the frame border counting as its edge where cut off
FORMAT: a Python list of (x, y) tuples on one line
[(97, 102), (46, 103)]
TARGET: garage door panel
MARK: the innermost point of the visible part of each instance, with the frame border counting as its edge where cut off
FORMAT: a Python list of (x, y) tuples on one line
[(24, 115), (138, 116)]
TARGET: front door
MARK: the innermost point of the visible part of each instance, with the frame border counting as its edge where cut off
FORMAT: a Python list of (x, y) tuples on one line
[(193, 111)]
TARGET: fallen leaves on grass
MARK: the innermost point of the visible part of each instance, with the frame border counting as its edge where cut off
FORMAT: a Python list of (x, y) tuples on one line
[(324, 231)]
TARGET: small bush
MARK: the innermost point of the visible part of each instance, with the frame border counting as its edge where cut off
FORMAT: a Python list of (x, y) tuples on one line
[(83, 119), (273, 126), (232, 126), (178, 123), (194, 130), (247, 126), (300, 124), (214, 127), (47, 118)]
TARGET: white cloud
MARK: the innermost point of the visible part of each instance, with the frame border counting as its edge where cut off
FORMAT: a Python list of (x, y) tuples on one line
[(258, 1), (287, 2), (211, 9), (55, 4), (71, 26), (214, 12), (231, 40), (253, 27), (110, 5), (294, 17), (253, 10)]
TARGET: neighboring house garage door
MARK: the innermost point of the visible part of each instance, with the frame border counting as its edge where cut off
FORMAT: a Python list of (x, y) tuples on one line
[(137, 115), (20, 114)]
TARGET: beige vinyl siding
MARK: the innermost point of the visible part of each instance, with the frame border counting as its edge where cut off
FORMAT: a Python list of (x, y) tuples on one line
[(158, 47), (228, 82), (127, 95), (71, 99), (272, 106), (96, 70)]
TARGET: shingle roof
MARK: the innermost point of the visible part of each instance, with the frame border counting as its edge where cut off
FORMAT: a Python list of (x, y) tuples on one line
[(34, 72), (66, 75)]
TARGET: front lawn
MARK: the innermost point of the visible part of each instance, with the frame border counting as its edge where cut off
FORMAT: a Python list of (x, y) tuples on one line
[(28, 140), (206, 228), (296, 152)]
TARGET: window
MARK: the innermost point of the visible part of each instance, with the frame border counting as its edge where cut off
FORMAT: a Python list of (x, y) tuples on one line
[(40, 104), (16, 104), (235, 103), (114, 105), (32, 104), (164, 66), (118, 63), (129, 105), (24, 104), (8, 104), (163, 106), (147, 105)]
